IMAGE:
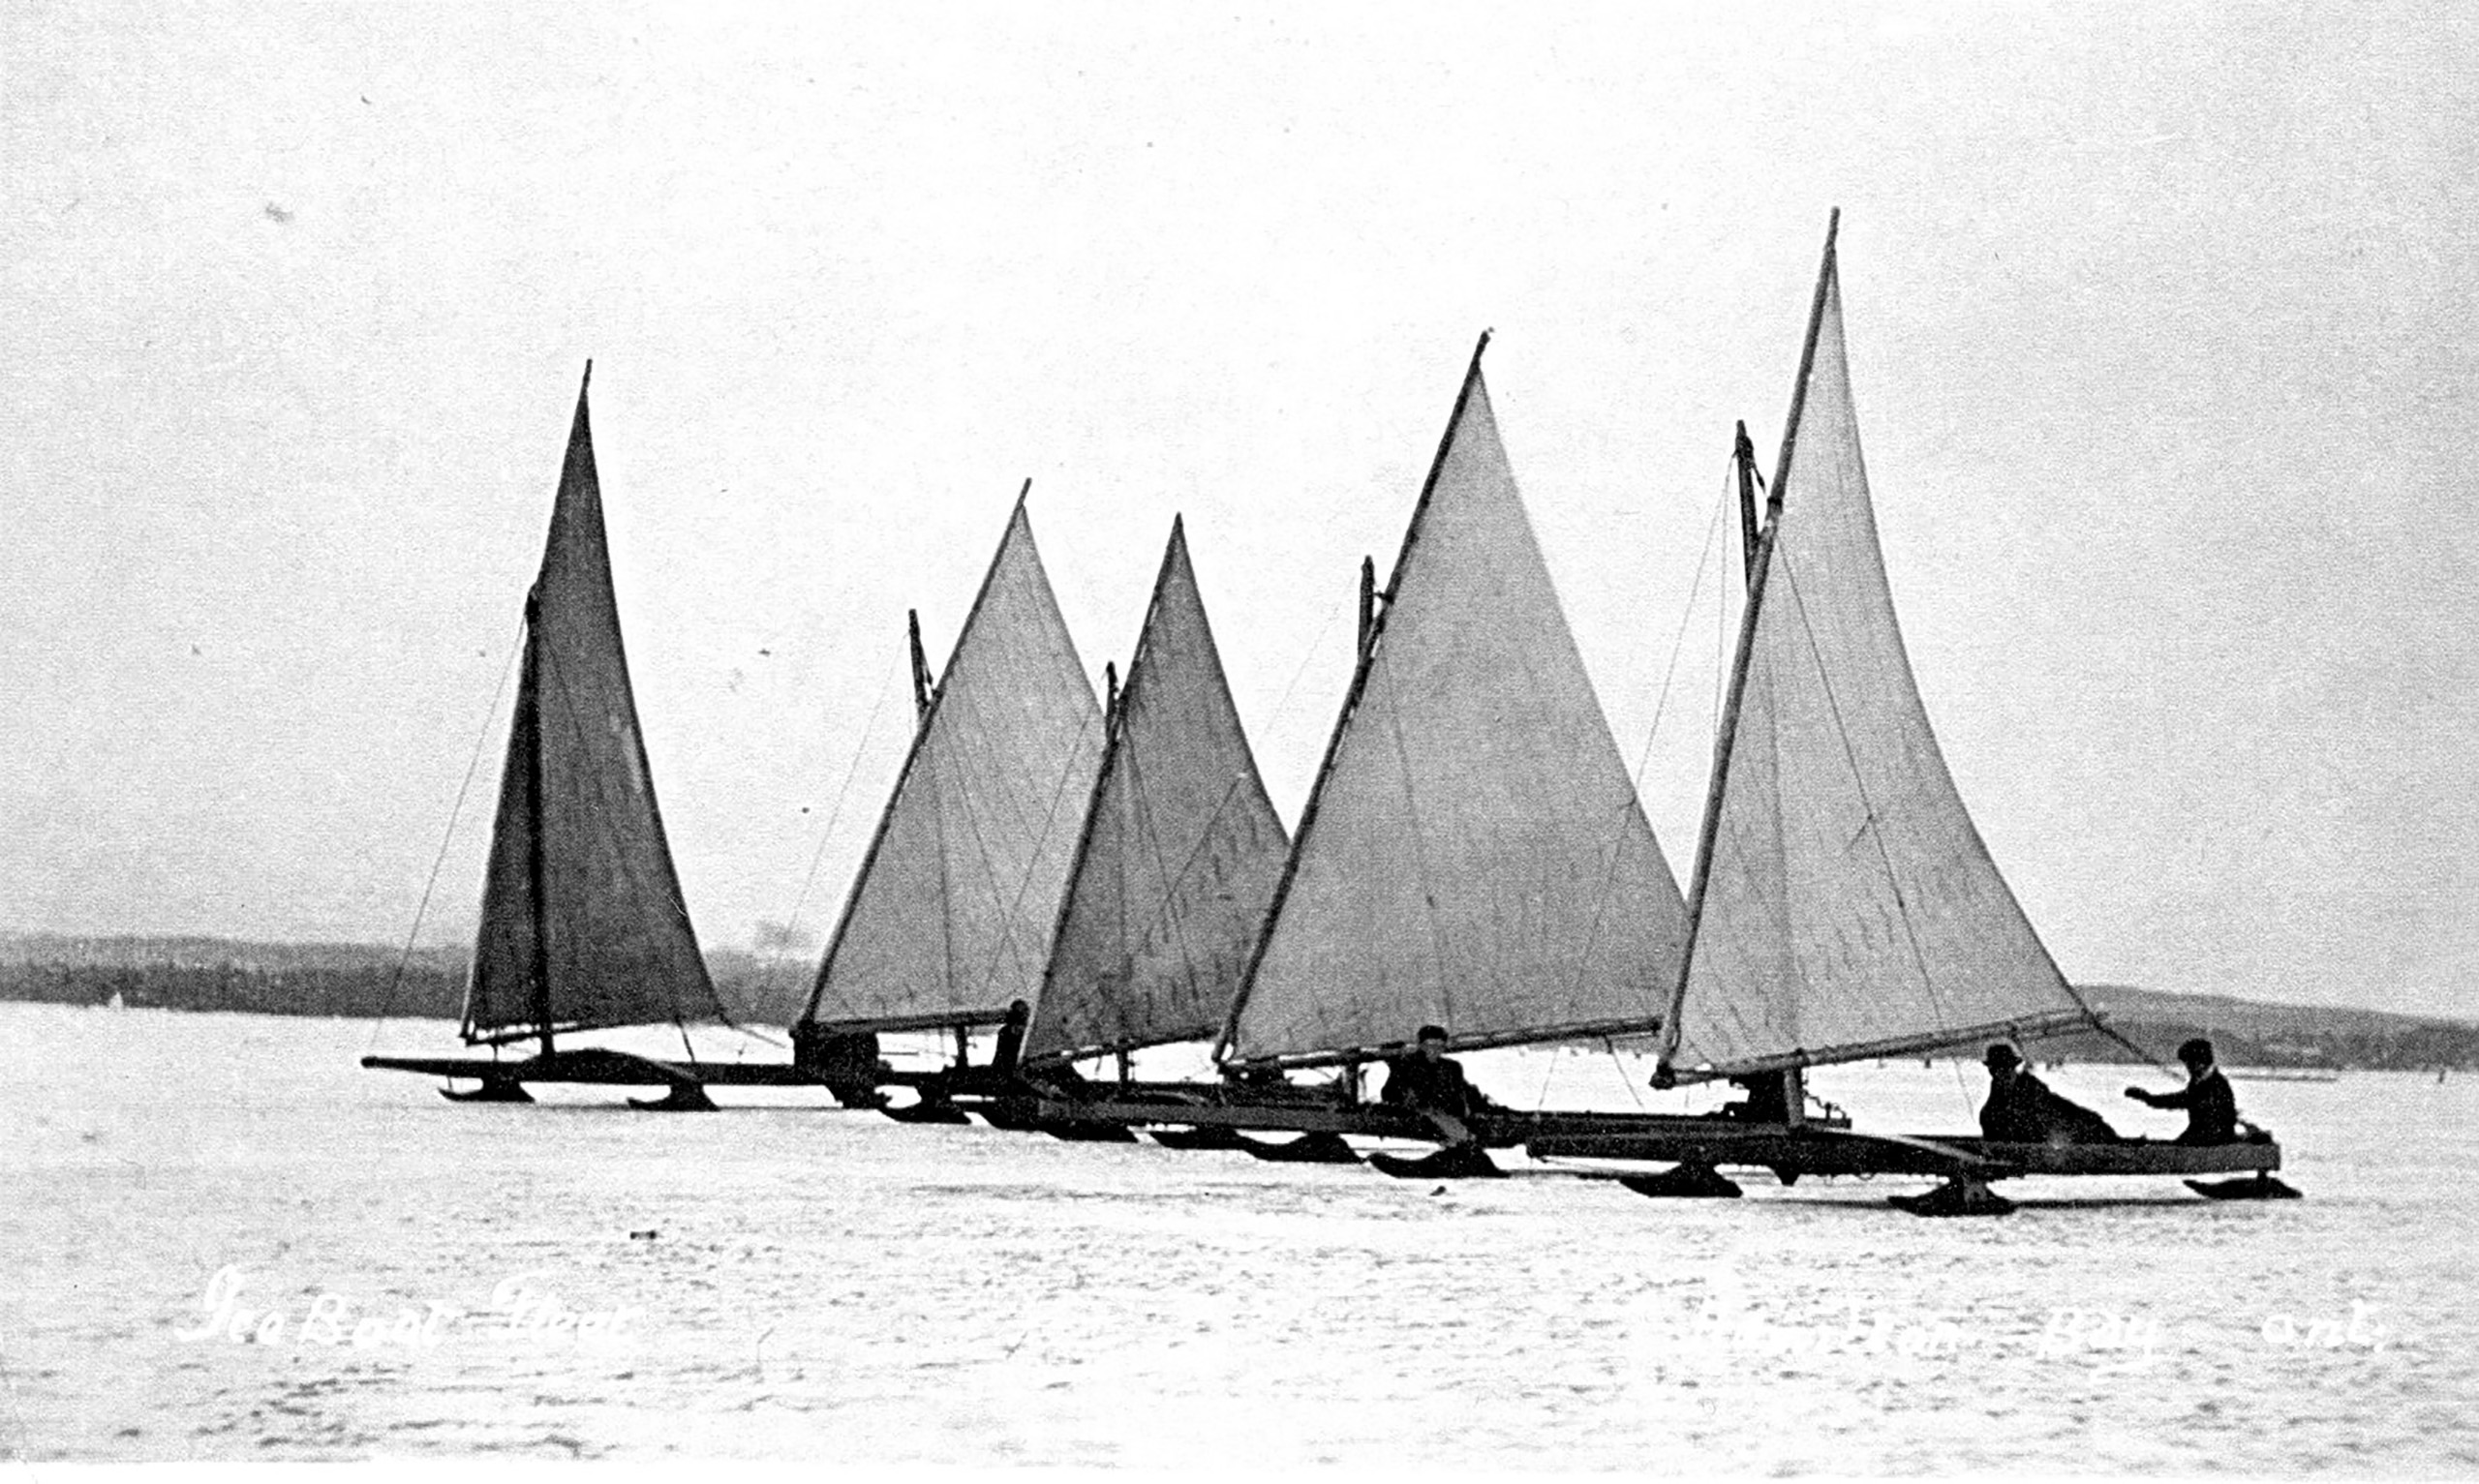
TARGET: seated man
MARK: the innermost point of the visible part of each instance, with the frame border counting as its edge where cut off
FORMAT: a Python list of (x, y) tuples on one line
[(846, 1062), (1428, 1082), (2022, 1110), (1766, 1099), (2212, 1108)]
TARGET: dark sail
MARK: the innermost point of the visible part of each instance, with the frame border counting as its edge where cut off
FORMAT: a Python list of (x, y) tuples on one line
[(1180, 851), (583, 924)]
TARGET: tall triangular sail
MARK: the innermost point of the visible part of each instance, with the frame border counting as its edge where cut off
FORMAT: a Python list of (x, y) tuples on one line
[(583, 924), (1845, 905), (1473, 853), (950, 918), (1180, 851)]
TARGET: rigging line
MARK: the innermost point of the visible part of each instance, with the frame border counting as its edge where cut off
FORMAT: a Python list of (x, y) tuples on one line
[(1626, 1078), (1420, 847), (1058, 796), (1678, 641), (1550, 1073), (1644, 758), (1721, 623), (1164, 910), (937, 762), (395, 982), (1204, 842), (1205, 837), (1876, 833), (1332, 615), (1962, 1084), (990, 876), (2150, 1058), (886, 682)]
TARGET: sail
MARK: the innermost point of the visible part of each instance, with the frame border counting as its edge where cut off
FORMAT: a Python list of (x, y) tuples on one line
[(950, 918), (1180, 851), (1848, 907), (1473, 854), (583, 924)]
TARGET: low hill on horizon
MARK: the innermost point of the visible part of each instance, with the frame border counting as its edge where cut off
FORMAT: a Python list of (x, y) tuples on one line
[(370, 980)]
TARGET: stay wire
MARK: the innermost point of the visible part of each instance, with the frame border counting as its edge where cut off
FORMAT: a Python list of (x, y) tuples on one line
[(395, 983), (1660, 703), (826, 837)]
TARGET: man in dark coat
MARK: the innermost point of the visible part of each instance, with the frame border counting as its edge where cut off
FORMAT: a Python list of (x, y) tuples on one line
[(2022, 1110), (2212, 1108), (1429, 1082)]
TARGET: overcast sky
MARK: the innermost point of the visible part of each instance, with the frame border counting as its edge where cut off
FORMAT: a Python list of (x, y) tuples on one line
[(2160, 317)]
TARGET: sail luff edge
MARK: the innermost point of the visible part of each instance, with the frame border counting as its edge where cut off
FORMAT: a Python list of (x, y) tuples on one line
[(1724, 743), (911, 759), (1361, 665)]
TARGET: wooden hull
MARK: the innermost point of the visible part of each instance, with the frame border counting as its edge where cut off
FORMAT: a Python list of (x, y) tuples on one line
[(1312, 1110), (596, 1066), (1823, 1151)]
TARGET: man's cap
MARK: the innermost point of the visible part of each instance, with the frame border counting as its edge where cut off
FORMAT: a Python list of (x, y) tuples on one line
[(2196, 1052), (1431, 1033), (2000, 1054)]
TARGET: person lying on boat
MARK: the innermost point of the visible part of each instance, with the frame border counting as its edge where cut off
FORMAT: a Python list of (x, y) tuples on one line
[(1431, 1081), (2212, 1108), (2022, 1110)]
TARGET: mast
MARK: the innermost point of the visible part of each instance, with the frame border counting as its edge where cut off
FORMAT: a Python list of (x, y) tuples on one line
[(543, 1006), (1743, 454), (1759, 565), (920, 667), (1367, 601), (532, 698), (1373, 628)]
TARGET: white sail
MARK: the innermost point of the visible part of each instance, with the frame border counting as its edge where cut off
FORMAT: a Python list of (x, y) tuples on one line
[(1474, 854), (950, 918), (1848, 907), (1180, 853)]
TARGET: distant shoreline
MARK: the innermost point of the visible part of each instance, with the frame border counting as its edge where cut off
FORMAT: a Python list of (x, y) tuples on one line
[(344, 980)]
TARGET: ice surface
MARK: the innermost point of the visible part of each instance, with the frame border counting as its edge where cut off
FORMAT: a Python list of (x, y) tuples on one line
[(829, 1285)]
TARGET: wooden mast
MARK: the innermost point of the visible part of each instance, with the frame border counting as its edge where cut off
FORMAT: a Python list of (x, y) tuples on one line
[(1743, 454), (531, 695), (1367, 601), (1759, 565), (920, 667), (583, 433)]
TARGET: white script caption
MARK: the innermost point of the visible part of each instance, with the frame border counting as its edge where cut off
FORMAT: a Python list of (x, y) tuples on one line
[(522, 1306)]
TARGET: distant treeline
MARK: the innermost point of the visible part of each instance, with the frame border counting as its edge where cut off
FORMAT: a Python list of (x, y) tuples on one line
[(2250, 1033), (354, 980), (344, 980)]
